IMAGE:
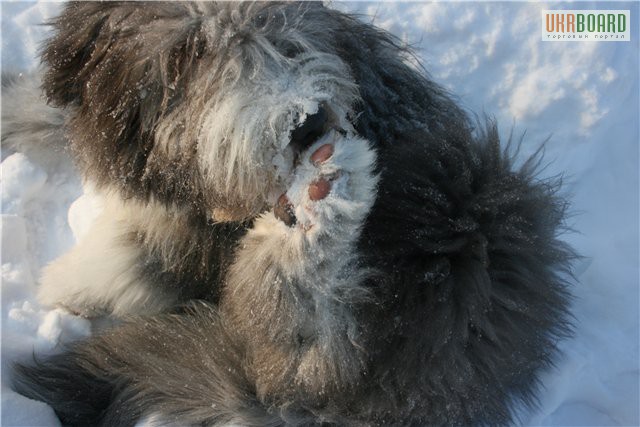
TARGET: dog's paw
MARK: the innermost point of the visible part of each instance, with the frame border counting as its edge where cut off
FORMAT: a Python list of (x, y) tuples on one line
[(319, 218), (332, 187), (55, 298), (101, 276)]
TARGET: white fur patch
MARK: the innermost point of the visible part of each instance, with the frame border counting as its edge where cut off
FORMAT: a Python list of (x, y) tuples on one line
[(100, 275)]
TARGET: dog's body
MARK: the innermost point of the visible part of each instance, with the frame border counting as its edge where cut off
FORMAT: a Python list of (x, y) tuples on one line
[(365, 256)]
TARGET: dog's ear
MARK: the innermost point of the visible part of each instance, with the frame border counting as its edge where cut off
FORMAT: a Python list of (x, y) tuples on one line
[(74, 49), (125, 66), (119, 53)]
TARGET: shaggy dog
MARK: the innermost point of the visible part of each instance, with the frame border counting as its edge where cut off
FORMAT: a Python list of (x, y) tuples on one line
[(361, 253)]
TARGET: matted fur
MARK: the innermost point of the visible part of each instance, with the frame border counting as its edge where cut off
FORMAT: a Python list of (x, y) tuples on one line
[(426, 288)]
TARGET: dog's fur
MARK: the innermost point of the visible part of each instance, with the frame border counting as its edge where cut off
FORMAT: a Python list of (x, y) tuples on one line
[(426, 288)]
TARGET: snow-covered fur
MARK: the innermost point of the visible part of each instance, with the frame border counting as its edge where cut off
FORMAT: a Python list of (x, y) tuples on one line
[(361, 254)]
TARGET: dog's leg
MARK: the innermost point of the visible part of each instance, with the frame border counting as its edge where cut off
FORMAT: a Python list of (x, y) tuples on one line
[(180, 369), (105, 272), (297, 279)]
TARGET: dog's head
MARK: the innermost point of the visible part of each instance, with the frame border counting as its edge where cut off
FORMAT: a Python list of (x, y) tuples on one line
[(206, 105)]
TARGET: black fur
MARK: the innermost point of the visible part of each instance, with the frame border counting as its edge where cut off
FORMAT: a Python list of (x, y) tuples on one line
[(473, 278)]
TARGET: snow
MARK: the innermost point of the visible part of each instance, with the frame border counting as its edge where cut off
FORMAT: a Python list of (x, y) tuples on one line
[(585, 96)]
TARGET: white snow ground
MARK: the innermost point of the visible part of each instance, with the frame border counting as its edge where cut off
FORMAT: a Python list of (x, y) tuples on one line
[(584, 95)]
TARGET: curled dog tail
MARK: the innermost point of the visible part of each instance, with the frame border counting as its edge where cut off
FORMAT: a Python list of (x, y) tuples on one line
[(475, 235), (179, 369), (29, 125)]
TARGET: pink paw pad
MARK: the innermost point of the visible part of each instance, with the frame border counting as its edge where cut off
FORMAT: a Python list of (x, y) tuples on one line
[(319, 189), (322, 154)]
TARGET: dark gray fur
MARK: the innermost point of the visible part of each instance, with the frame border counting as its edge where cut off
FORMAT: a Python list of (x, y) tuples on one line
[(465, 295)]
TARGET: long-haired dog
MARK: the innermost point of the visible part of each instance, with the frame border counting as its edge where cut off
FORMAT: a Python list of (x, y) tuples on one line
[(361, 253)]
